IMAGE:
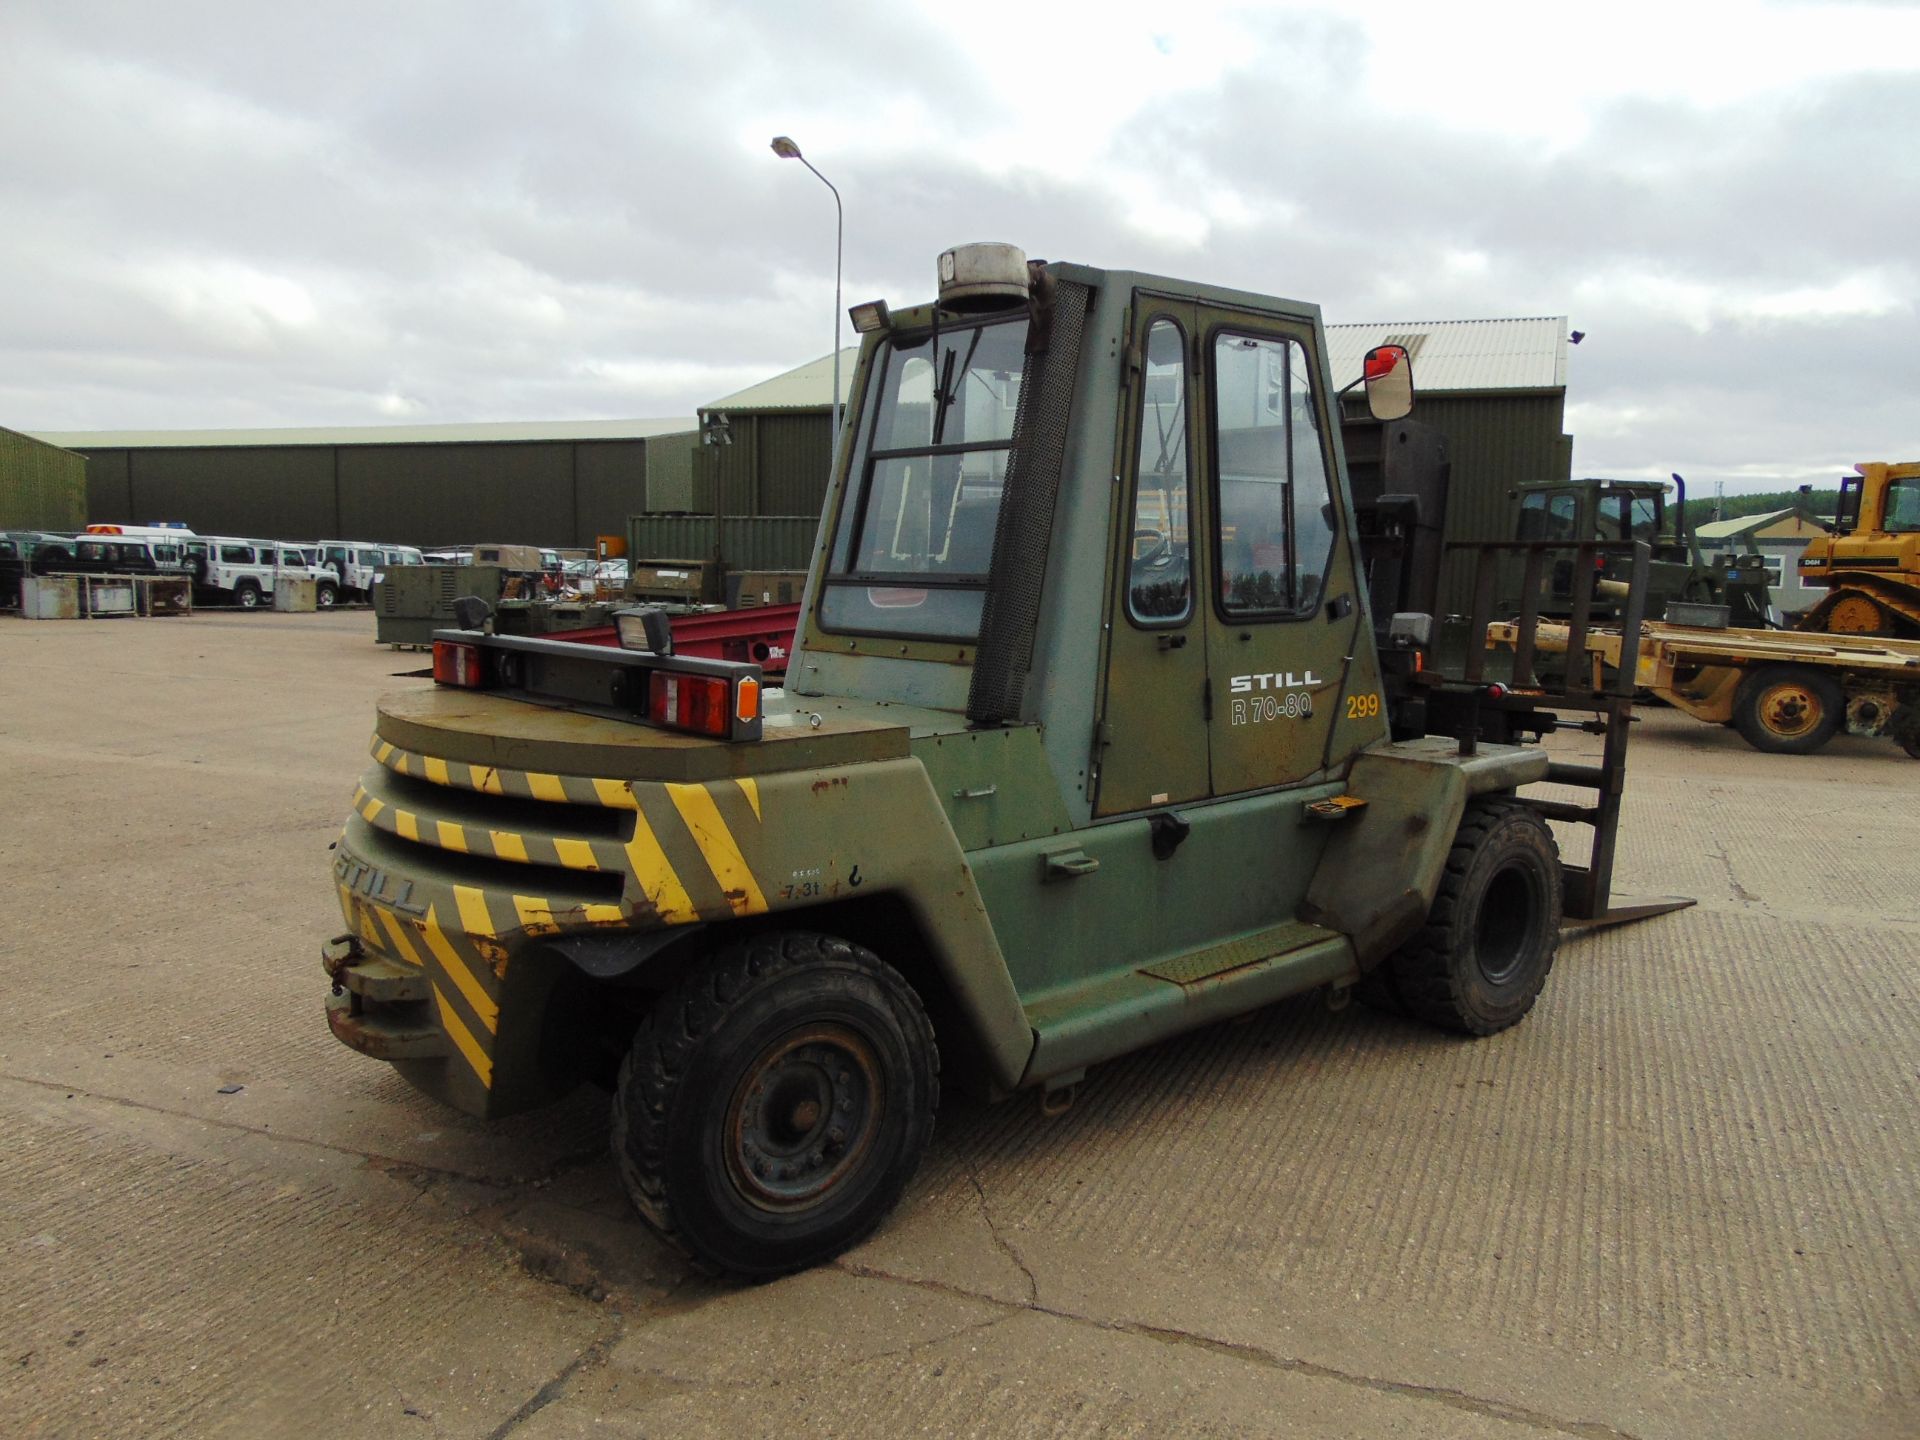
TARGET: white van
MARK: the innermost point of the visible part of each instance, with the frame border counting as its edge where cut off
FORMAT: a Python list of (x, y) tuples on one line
[(244, 571)]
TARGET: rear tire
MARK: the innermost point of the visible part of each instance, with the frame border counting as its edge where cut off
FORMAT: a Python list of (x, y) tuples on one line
[(325, 596), (773, 1108), (247, 595), (1788, 709), (1484, 954)]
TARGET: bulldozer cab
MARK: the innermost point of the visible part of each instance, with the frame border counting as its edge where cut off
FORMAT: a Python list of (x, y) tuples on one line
[(1871, 567)]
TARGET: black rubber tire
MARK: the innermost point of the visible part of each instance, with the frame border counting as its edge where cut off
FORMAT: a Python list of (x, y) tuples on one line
[(247, 595), (1788, 709), (325, 596), (1481, 959), (713, 1104)]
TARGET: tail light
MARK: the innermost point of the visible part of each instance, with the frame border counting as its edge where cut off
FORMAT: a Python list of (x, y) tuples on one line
[(696, 703), (458, 664)]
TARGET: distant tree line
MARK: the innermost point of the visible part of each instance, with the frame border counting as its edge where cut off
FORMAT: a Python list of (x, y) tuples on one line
[(1700, 508)]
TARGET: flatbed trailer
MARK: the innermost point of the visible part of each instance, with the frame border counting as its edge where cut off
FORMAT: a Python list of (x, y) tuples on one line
[(1787, 692)]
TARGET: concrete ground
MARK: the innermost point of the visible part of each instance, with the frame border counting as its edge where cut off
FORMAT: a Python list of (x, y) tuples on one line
[(1680, 1200)]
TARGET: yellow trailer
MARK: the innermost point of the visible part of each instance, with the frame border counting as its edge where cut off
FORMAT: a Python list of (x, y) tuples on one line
[(1787, 692)]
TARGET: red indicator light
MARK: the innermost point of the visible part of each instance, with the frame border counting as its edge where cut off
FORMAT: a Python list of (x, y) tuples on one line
[(458, 665)]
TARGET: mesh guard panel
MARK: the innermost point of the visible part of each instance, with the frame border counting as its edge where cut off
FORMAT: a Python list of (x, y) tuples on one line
[(1024, 531)]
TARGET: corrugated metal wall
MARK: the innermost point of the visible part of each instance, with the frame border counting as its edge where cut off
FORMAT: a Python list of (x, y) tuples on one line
[(559, 492), (670, 472), (776, 465), (743, 542), (42, 487), (1494, 442)]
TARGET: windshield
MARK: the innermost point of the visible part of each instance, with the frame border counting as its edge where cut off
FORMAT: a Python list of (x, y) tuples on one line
[(1547, 516), (1627, 515), (1903, 506), (931, 461)]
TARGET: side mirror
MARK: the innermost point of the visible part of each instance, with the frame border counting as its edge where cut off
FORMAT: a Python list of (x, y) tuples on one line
[(1388, 372)]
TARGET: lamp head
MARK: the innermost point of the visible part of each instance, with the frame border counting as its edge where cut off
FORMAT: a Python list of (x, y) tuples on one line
[(785, 148)]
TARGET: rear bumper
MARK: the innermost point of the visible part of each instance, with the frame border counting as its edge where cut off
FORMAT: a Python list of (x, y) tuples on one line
[(380, 1008)]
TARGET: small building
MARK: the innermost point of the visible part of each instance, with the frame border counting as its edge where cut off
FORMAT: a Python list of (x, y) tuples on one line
[(1780, 536)]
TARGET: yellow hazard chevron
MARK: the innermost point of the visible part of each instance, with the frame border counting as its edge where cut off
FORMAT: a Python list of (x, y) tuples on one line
[(717, 845)]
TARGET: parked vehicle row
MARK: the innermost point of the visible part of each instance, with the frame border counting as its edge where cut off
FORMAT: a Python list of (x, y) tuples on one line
[(226, 569)]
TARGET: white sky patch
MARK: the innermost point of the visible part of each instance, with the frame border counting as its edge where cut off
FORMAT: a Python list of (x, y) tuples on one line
[(1703, 304), (643, 376), (396, 406), (1539, 70), (1872, 295), (228, 303)]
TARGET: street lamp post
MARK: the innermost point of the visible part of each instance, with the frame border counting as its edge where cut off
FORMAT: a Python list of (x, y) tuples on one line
[(787, 150)]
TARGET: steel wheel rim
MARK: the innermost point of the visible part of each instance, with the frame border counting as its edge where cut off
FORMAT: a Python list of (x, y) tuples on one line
[(1790, 710), (1503, 928), (803, 1117)]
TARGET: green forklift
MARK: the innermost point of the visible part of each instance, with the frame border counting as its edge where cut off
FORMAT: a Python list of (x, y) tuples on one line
[(1091, 736)]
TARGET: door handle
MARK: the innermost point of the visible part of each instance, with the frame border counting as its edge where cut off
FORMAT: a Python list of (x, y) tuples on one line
[(1068, 864)]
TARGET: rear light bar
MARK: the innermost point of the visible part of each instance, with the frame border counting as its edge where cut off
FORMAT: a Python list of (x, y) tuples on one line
[(715, 698)]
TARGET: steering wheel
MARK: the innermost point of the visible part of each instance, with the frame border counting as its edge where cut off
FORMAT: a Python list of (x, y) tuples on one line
[(1157, 556)]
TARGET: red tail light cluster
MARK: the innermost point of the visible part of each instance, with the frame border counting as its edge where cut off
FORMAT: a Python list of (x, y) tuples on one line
[(701, 704), (457, 664), (698, 703)]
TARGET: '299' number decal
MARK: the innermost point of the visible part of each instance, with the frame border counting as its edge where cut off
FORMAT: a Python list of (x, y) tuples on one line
[(1362, 707)]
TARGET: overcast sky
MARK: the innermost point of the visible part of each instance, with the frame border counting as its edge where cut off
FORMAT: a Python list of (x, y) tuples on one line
[(255, 214)]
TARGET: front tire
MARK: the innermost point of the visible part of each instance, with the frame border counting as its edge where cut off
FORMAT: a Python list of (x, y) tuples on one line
[(774, 1106), (1484, 954), (1788, 710), (247, 595)]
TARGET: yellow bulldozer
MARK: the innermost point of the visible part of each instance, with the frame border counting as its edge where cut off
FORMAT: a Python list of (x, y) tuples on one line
[(1870, 568)]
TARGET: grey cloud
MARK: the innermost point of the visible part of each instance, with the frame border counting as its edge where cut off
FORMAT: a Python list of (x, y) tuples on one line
[(515, 211)]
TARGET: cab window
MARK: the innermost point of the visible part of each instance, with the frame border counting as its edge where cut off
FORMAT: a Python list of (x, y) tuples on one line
[(1547, 517), (1276, 504), (1160, 581), (1903, 506), (915, 540)]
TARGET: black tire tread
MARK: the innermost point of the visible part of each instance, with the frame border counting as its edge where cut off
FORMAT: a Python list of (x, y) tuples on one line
[(1421, 980), (667, 1037), (1746, 716)]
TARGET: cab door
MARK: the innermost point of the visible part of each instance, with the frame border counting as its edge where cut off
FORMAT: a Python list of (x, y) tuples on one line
[(1154, 704), (1283, 615)]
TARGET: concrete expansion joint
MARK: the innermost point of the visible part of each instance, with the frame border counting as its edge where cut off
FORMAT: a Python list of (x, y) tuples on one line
[(591, 1358), (1001, 1243), (1481, 1405), (1437, 1394), (387, 1165)]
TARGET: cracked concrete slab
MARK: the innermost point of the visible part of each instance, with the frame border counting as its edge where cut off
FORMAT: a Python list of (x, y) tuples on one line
[(1678, 1200)]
